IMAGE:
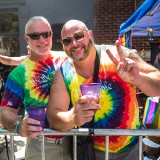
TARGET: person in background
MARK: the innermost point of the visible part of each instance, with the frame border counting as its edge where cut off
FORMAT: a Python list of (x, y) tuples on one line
[(29, 83), (11, 61), (152, 152), (120, 71), (157, 61)]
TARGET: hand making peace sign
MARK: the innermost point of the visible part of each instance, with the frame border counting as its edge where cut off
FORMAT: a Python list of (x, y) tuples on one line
[(126, 67)]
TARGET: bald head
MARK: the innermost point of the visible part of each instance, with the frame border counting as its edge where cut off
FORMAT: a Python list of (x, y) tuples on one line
[(73, 25)]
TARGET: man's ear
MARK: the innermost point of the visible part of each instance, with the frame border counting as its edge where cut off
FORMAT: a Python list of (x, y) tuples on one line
[(90, 33), (26, 38)]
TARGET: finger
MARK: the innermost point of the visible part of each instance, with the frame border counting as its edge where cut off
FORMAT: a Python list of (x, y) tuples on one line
[(34, 128), (88, 113), (32, 121), (88, 119), (128, 66), (120, 69), (120, 51), (123, 66), (34, 134), (130, 69), (90, 106), (87, 98), (112, 57)]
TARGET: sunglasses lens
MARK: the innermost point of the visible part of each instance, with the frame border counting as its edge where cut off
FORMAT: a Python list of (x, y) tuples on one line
[(45, 34), (36, 36), (66, 41), (78, 35)]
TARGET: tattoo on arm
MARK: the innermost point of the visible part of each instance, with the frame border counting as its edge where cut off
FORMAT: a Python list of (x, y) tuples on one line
[(132, 54), (54, 80)]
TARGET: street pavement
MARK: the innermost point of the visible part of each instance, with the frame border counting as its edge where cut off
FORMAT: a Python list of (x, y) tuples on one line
[(19, 147)]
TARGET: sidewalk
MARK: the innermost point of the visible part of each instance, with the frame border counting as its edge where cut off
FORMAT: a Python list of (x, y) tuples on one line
[(19, 147)]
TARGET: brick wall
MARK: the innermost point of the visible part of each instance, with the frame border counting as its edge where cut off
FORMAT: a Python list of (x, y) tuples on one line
[(109, 15)]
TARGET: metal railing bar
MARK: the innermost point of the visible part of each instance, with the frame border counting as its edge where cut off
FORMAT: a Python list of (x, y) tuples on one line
[(43, 148), (12, 146), (107, 148), (140, 147), (97, 132), (85, 131), (75, 147), (104, 132)]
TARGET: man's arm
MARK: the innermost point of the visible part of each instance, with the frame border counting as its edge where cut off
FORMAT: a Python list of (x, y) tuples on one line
[(13, 61), (11, 101), (9, 117), (57, 111), (149, 79), (9, 121), (132, 69)]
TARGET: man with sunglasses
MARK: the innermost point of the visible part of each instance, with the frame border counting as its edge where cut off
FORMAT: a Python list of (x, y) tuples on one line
[(29, 83), (120, 70)]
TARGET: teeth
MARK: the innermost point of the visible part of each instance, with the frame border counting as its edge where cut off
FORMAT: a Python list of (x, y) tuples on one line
[(42, 45), (78, 49)]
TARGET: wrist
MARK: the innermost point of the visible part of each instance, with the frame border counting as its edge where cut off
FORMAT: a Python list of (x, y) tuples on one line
[(16, 126)]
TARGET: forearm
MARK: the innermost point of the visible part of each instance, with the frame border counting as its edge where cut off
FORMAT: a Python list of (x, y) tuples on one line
[(149, 77), (13, 61), (149, 83), (8, 118), (5, 60), (61, 121)]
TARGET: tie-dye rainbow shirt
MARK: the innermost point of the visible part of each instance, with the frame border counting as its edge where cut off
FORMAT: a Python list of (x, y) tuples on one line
[(30, 82), (119, 107)]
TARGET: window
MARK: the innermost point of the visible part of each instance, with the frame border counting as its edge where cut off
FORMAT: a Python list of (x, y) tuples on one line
[(56, 28), (9, 32)]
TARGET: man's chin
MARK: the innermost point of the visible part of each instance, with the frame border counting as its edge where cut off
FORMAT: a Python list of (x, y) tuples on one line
[(42, 53), (80, 58)]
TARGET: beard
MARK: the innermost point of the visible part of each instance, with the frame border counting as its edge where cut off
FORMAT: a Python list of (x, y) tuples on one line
[(41, 51), (86, 51)]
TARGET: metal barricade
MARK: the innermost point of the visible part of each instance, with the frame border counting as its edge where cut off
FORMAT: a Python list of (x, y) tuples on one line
[(85, 132)]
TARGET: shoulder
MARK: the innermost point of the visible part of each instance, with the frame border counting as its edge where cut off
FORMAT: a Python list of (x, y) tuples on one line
[(16, 71), (58, 54), (105, 46)]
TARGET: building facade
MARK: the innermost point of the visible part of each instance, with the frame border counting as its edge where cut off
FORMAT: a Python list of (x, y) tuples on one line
[(14, 14), (104, 17)]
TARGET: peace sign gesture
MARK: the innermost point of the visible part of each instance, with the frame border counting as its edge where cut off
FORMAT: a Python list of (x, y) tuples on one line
[(126, 67)]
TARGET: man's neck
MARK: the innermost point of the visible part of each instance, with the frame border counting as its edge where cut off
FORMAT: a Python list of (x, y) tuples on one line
[(38, 57), (86, 68)]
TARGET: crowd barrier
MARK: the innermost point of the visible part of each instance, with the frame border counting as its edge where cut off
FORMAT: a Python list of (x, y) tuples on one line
[(85, 132)]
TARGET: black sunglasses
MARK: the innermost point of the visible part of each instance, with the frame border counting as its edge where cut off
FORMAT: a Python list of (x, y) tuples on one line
[(78, 35), (36, 36)]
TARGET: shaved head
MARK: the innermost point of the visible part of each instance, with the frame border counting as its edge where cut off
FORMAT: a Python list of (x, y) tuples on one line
[(73, 25), (76, 46)]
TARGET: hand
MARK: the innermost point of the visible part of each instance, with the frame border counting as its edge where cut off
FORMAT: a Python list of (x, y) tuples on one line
[(84, 109), (27, 129), (126, 67)]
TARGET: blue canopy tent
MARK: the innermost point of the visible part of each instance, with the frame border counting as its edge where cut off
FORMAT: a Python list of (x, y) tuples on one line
[(145, 21)]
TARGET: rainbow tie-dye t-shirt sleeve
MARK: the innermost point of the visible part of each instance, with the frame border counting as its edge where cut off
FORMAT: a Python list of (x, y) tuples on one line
[(30, 83), (119, 107)]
